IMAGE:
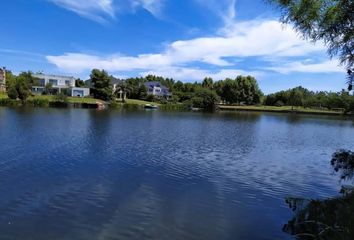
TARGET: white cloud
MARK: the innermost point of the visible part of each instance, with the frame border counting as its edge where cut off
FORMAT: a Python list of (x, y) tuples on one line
[(225, 9), (103, 11), (259, 39), (329, 66), (153, 6), (78, 62), (97, 10)]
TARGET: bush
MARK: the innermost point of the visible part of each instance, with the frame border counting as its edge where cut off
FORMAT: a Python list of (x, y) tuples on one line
[(38, 102), (61, 97), (115, 105)]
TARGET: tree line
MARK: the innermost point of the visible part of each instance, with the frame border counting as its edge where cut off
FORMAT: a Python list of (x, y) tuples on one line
[(241, 90), (303, 97)]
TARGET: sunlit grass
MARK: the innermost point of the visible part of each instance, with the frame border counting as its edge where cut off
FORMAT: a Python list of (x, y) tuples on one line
[(3, 95), (278, 109), (139, 102), (70, 99)]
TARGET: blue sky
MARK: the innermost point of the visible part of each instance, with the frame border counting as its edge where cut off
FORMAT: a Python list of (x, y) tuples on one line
[(183, 39)]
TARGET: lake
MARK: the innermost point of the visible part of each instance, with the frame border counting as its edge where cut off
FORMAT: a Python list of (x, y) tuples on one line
[(88, 174)]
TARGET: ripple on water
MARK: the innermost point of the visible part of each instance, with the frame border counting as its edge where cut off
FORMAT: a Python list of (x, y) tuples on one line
[(117, 175)]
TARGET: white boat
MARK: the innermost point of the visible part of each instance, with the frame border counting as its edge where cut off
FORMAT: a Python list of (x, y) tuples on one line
[(151, 106)]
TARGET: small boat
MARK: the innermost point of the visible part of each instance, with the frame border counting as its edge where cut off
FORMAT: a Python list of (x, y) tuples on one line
[(150, 106)]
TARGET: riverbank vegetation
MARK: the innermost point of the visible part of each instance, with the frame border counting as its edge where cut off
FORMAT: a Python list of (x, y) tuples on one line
[(241, 93)]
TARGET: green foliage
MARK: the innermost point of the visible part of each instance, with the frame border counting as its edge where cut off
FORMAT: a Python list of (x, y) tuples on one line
[(20, 86), (47, 89), (101, 85), (11, 90), (124, 89), (329, 20), (300, 96), (330, 218), (208, 83), (38, 102), (205, 98), (79, 83), (296, 97), (241, 90), (61, 97)]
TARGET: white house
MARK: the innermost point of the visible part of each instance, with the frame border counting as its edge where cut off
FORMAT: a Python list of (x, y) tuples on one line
[(59, 84)]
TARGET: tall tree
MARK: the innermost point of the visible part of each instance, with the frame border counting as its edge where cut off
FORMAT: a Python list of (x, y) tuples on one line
[(295, 98), (208, 83), (101, 84)]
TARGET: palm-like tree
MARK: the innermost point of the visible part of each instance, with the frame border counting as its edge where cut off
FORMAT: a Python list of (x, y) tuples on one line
[(122, 90)]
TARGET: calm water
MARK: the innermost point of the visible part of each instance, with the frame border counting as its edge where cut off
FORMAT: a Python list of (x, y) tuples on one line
[(85, 174)]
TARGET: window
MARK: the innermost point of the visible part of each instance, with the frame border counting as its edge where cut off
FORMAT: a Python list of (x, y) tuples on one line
[(41, 82), (67, 82), (54, 82)]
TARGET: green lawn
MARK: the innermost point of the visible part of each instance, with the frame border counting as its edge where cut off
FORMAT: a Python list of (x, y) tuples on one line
[(278, 109), (51, 98), (139, 102), (70, 99), (3, 95)]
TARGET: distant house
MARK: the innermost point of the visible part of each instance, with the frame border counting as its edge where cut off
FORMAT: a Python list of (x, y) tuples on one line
[(59, 84), (2, 79), (158, 90)]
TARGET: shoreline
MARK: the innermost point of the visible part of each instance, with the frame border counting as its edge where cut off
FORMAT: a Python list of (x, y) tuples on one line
[(133, 104), (286, 109)]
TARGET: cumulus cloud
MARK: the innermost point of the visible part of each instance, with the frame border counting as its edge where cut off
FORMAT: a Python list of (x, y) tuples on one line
[(258, 39)]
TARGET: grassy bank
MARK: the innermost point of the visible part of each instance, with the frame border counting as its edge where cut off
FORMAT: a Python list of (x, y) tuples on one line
[(46, 101), (140, 102), (3, 95), (87, 100), (284, 109)]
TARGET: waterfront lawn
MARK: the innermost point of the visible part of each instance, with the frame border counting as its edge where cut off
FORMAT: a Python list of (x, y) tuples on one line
[(139, 102), (278, 109), (50, 98), (3, 95)]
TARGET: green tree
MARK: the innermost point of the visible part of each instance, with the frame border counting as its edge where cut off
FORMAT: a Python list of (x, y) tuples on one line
[(101, 85), (205, 98), (208, 83), (241, 90), (123, 89), (79, 83), (47, 88), (295, 98), (20, 86)]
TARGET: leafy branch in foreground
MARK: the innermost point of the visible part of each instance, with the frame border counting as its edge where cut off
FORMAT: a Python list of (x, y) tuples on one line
[(330, 218)]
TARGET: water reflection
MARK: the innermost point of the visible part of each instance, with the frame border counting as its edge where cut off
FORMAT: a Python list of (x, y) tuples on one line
[(87, 174), (326, 219)]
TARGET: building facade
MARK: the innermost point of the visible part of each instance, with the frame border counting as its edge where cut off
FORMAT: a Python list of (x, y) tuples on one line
[(58, 84), (158, 90), (2, 79)]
